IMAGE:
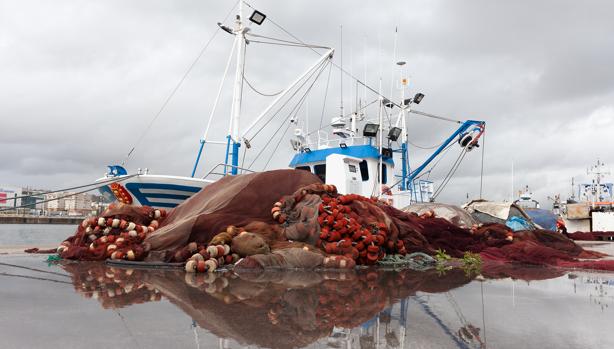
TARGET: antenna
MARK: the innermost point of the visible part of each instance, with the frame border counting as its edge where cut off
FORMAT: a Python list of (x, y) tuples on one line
[(341, 70), (364, 89), (394, 59)]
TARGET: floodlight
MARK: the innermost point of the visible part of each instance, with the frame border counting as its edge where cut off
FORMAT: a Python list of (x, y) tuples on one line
[(386, 102), (370, 130), (257, 17), (418, 97), (386, 152), (394, 133), (407, 101), (343, 145)]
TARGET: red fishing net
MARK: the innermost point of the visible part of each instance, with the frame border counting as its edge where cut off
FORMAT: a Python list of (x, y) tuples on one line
[(288, 218)]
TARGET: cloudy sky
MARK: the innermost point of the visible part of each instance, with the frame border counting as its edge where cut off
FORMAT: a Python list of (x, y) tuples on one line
[(81, 80)]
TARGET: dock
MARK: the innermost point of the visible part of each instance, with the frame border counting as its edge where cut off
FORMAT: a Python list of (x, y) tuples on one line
[(31, 219)]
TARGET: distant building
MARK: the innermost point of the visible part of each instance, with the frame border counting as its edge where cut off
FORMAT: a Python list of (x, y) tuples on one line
[(55, 203), (9, 196), (78, 205), (32, 199)]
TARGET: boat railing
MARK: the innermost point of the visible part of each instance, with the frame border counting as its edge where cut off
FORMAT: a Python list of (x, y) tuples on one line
[(398, 199), (324, 142), (227, 168)]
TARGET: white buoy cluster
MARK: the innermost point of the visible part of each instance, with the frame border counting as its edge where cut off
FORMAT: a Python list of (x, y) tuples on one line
[(206, 258)]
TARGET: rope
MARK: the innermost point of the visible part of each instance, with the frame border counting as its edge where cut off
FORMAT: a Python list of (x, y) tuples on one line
[(287, 117), (69, 195), (259, 92), (482, 165), (295, 110), (60, 190), (451, 173), (319, 67), (293, 43), (276, 147), (33, 269), (286, 130), (441, 157), (35, 278), (423, 147), (435, 116), (415, 261), (177, 86), (330, 68), (387, 116)]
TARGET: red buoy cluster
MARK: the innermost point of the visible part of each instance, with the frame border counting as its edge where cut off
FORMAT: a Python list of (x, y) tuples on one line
[(343, 231), (98, 238)]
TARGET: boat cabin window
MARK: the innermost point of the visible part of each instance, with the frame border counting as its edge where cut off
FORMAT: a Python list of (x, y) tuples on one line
[(352, 168), (304, 168), (320, 171), (364, 170), (384, 174)]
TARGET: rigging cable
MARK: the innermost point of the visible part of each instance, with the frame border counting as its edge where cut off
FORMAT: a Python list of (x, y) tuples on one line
[(450, 173), (423, 147), (276, 147), (297, 108), (177, 86), (281, 42), (330, 68), (352, 76), (482, 165), (36, 278), (64, 189), (346, 115), (259, 92), (289, 114), (69, 195), (441, 157), (33, 269), (315, 69)]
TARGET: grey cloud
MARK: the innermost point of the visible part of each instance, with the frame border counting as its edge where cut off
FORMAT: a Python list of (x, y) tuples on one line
[(81, 80)]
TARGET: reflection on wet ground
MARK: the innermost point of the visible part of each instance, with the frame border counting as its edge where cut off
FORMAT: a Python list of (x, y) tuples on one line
[(507, 306)]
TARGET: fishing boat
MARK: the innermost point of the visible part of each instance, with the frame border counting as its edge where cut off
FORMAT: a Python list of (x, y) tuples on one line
[(591, 204), (359, 156)]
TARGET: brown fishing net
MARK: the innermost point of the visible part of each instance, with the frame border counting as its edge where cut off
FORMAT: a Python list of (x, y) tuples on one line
[(289, 219)]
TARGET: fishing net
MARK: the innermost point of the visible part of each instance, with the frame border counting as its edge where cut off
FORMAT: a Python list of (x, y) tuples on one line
[(289, 219), (592, 236)]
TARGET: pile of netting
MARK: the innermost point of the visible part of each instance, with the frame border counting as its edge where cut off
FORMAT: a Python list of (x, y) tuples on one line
[(289, 219), (592, 236), (119, 233)]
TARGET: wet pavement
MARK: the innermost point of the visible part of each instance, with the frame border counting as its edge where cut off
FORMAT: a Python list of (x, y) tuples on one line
[(73, 305)]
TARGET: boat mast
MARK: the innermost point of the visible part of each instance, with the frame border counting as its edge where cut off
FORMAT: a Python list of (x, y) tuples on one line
[(235, 117), (401, 123)]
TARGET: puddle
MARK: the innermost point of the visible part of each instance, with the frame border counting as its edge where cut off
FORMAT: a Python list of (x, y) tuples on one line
[(78, 304)]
